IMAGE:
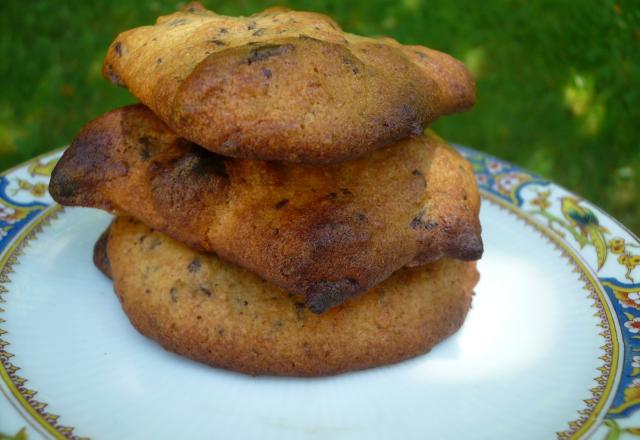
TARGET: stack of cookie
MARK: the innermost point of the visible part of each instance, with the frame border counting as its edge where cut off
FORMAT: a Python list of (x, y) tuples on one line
[(280, 209)]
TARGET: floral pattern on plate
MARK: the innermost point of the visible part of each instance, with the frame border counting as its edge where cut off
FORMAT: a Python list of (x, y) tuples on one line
[(606, 246)]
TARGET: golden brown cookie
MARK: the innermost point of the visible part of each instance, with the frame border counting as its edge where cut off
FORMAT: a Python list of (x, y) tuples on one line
[(284, 85), (202, 307), (327, 232)]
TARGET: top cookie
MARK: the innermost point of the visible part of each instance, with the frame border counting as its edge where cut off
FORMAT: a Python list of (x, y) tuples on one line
[(284, 85)]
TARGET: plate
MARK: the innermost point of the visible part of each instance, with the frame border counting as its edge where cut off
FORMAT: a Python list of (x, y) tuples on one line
[(551, 347)]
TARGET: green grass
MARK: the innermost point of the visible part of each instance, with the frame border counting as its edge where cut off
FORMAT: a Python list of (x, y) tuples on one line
[(558, 80)]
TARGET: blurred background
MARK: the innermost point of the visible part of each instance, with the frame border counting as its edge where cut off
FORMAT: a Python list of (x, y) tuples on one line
[(558, 80)]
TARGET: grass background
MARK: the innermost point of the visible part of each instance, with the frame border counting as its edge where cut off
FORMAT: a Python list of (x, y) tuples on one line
[(558, 80)]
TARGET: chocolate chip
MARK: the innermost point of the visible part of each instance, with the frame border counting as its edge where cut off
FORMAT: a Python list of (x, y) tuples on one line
[(251, 26), (173, 292), (417, 173), (205, 291), (218, 42), (281, 203), (329, 293), (417, 220), (259, 32), (266, 72), (114, 77), (194, 266), (263, 52), (223, 30)]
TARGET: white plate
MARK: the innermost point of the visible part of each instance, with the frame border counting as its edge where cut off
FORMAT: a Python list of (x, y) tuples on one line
[(550, 348)]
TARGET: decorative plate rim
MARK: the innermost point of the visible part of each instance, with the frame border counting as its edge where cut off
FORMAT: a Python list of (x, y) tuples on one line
[(617, 303)]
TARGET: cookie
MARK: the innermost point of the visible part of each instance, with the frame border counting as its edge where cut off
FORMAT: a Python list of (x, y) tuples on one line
[(326, 232), (284, 85), (201, 307)]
